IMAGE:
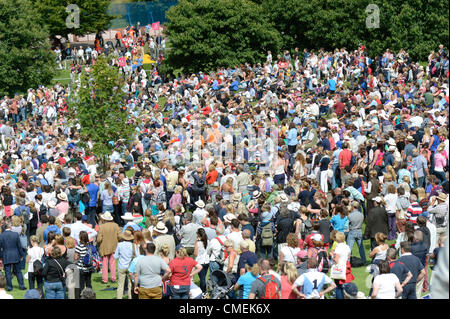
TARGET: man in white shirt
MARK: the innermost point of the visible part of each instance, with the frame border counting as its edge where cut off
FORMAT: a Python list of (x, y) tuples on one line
[(310, 285), (235, 234), (78, 226), (214, 247)]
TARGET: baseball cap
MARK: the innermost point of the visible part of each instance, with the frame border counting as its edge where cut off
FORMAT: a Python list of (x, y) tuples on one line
[(350, 290), (84, 218)]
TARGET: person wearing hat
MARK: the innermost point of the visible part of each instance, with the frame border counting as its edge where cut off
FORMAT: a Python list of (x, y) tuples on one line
[(125, 252), (108, 237), (199, 213), (408, 150), (351, 291), (63, 206), (162, 239), (439, 214), (132, 221)]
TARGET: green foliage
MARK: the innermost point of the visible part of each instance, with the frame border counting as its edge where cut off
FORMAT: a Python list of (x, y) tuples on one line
[(418, 26), (97, 108), (25, 57), (93, 16), (206, 34)]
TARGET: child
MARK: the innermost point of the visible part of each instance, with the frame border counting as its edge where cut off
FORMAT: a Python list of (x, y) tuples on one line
[(34, 253)]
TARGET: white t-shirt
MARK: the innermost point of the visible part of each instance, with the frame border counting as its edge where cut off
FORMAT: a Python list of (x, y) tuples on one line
[(391, 203), (35, 253), (386, 284), (316, 281), (343, 251), (290, 254), (236, 237)]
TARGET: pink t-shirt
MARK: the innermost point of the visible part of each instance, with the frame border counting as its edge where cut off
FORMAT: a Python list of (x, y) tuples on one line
[(286, 289)]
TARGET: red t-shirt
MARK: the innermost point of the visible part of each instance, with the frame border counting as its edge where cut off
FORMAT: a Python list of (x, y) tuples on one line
[(181, 271), (345, 158), (339, 108), (308, 240)]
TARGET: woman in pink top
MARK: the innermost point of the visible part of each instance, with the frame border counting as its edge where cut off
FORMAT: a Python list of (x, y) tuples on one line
[(440, 161), (176, 198), (63, 205), (288, 276)]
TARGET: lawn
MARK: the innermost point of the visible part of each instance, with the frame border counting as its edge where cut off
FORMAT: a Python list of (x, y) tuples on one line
[(107, 291)]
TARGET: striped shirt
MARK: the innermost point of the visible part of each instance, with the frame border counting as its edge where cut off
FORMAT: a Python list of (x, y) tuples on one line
[(81, 250), (414, 211)]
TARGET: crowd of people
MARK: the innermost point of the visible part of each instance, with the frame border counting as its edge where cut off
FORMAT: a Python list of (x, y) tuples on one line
[(267, 174)]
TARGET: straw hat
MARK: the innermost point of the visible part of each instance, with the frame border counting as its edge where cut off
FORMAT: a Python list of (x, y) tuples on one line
[(256, 194), (442, 197), (200, 203), (51, 204), (161, 228), (106, 216), (62, 196), (237, 197), (229, 217), (128, 216), (127, 235)]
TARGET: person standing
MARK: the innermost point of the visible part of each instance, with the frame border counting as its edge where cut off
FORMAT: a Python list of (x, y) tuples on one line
[(356, 219), (11, 253), (312, 282), (93, 191), (107, 239), (147, 274), (386, 285), (188, 233), (416, 268), (54, 274), (183, 268), (377, 221)]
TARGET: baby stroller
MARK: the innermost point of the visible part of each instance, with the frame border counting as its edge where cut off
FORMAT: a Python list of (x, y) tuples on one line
[(218, 285)]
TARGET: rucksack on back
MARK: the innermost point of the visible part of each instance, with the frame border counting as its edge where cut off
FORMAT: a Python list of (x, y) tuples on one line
[(267, 235), (323, 262), (271, 288)]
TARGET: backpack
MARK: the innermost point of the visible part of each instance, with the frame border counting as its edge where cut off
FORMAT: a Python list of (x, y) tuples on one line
[(323, 261), (88, 259), (38, 267), (85, 198), (25, 214), (161, 197), (356, 262), (267, 235), (306, 228), (73, 197), (271, 288)]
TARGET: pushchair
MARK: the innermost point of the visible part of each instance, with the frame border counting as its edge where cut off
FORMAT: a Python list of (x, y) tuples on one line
[(218, 285)]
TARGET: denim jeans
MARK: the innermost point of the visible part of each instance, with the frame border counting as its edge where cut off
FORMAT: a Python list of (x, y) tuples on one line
[(92, 213), (182, 292), (356, 235), (107, 208), (202, 276), (213, 265), (8, 275), (54, 290)]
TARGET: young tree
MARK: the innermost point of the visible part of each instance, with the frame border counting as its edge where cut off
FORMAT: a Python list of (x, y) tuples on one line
[(98, 109), (25, 57)]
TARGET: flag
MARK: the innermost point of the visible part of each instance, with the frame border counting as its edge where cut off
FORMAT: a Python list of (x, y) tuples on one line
[(155, 26)]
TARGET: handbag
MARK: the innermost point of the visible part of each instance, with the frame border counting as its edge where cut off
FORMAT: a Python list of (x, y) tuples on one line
[(339, 271)]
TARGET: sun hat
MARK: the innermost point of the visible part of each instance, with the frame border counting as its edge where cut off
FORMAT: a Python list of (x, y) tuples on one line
[(128, 216), (200, 203), (317, 237), (51, 204), (237, 197), (294, 206), (256, 194), (62, 196), (410, 138), (106, 216), (442, 197), (160, 228), (284, 198), (229, 217), (127, 235)]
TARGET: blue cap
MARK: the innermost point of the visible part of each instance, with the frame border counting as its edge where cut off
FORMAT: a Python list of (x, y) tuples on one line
[(84, 218)]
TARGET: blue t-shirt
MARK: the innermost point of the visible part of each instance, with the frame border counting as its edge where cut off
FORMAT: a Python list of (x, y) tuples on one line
[(93, 192), (246, 258), (331, 84), (246, 282)]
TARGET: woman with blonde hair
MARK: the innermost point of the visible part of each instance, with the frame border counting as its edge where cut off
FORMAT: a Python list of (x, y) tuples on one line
[(288, 276), (227, 189), (169, 221), (245, 281), (107, 198), (341, 256), (379, 253), (176, 198)]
